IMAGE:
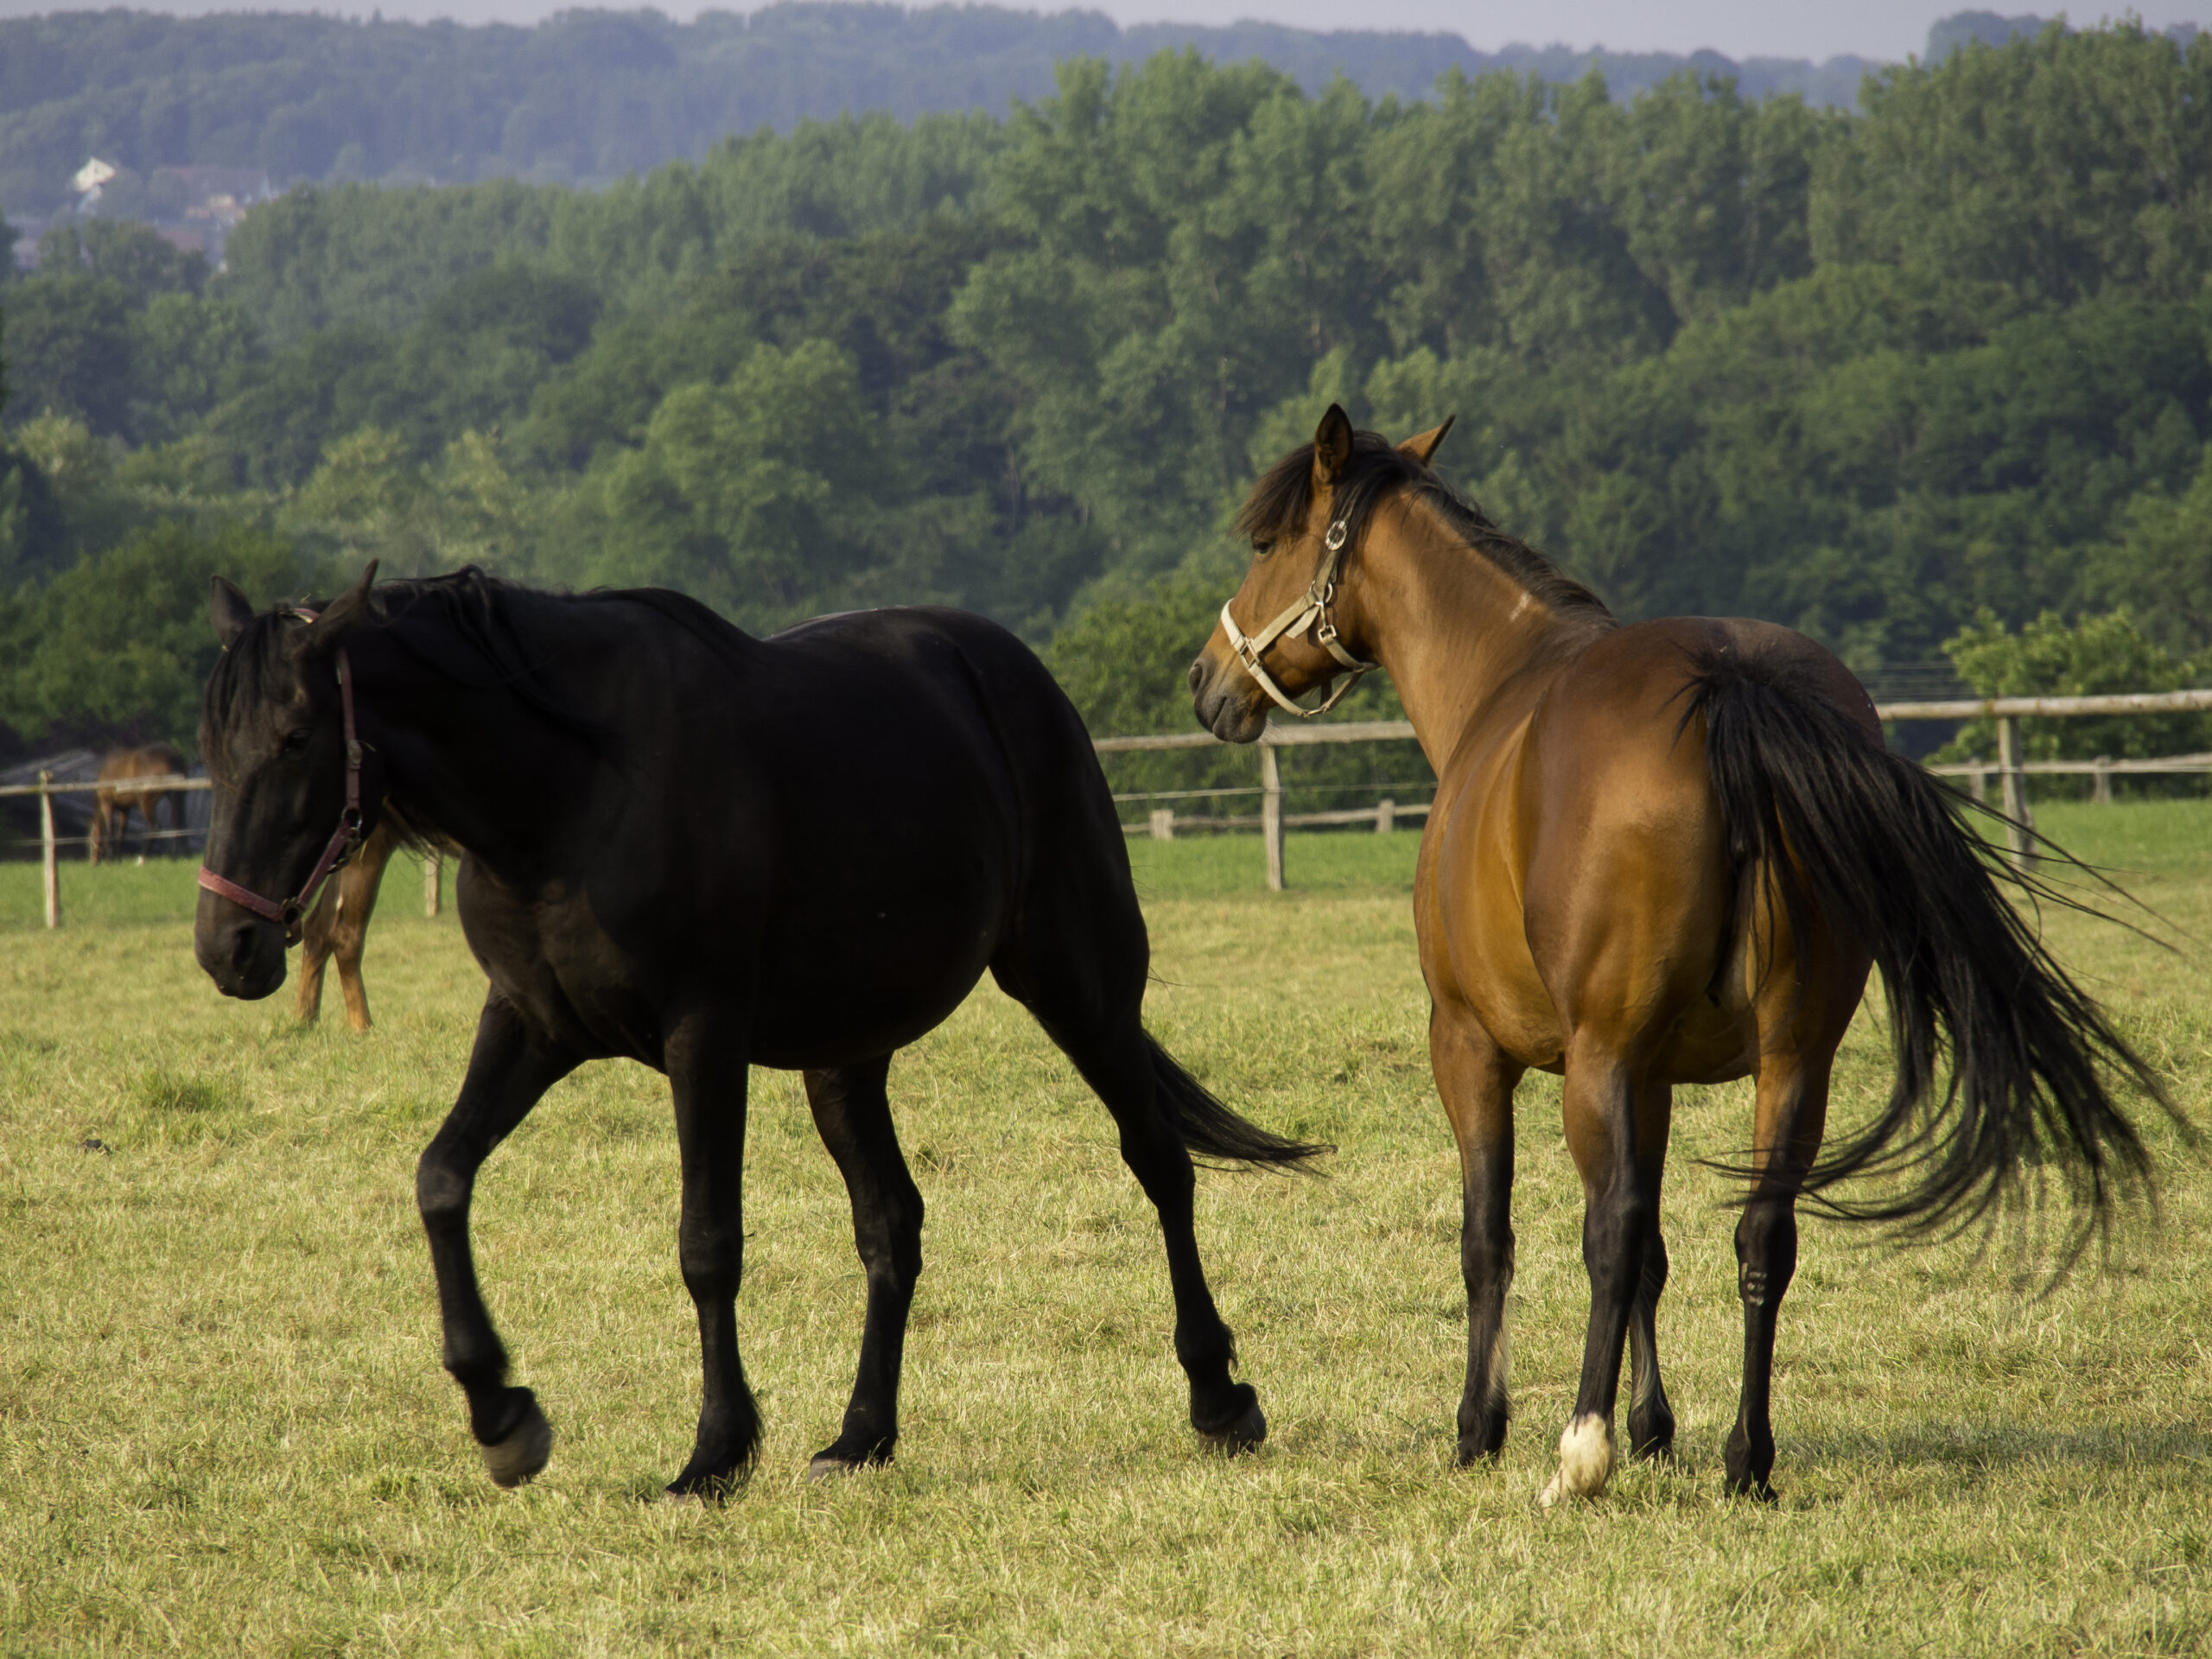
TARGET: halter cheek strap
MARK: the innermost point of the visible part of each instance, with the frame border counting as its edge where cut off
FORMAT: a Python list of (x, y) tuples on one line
[(290, 914), (1311, 610)]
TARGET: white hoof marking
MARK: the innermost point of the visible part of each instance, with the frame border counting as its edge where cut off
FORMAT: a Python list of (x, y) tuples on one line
[(1586, 1460)]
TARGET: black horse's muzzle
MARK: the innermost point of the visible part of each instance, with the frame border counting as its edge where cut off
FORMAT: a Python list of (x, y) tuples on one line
[(243, 954)]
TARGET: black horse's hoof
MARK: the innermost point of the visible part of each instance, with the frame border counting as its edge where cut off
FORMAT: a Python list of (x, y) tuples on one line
[(1758, 1491), (524, 1450), (1241, 1428), (836, 1459), (709, 1483)]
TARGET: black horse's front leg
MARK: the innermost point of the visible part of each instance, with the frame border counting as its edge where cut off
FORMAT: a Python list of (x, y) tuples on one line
[(508, 1071), (707, 1073)]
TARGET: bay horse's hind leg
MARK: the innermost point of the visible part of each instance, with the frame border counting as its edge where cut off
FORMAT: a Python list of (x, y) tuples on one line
[(1792, 1114), (1477, 1079), (508, 1073), (853, 1116), (1651, 1419), (1609, 1134)]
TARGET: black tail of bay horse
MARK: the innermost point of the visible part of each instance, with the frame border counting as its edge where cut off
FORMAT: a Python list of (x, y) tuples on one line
[(704, 851), (1807, 800)]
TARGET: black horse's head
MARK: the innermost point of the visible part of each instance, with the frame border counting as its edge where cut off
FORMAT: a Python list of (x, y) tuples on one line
[(272, 732)]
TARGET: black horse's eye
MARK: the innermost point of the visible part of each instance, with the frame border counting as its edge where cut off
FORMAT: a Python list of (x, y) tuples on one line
[(295, 740)]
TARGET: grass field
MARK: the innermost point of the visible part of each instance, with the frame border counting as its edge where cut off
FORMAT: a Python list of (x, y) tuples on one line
[(223, 1426)]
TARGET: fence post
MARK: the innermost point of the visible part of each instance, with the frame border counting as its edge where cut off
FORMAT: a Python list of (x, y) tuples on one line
[(430, 873), (2020, 833), (1271, 813), (1386, 817), (1979, 783), (52, 853), (1163, 823), (2100, 789)]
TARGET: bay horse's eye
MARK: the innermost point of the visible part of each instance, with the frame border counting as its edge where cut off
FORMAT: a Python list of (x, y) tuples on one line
[(1260, 550)]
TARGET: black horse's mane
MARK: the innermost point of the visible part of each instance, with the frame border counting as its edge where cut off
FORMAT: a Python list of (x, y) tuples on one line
[(469, 627), (1284, 496)]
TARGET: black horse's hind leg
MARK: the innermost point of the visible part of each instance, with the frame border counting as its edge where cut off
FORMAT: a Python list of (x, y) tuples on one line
[(508, 1073), (707, 1073), (1650, 1419), (853, 1116), (1119, 1068)]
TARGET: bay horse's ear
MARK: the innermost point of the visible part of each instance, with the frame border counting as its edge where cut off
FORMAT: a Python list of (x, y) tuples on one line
[(1423, 446), (228, 609), (341, 613), (1333, 445)]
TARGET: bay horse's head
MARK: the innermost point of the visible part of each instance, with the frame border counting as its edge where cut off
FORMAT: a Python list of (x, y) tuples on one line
[(1294, 625), (276, 732)]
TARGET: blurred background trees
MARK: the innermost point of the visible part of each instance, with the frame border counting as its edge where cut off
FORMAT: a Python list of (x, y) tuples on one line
[(1939, 365)]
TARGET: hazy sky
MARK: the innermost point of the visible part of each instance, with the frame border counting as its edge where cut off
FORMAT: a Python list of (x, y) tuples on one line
[(1741, 28)]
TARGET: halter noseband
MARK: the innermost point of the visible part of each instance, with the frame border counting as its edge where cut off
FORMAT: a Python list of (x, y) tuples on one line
[(291, 914), (1312, 608)]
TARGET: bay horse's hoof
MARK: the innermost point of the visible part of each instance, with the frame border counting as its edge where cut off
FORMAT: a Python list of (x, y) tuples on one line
[(1240, 1429), (525, 1449)]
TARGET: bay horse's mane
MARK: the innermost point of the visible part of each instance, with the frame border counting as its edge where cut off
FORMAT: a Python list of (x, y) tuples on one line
[(1283, 497)]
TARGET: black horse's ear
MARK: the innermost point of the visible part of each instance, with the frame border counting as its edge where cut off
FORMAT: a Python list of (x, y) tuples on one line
[(1423, 446), (1333, 445), (341, 613), (228, 609)]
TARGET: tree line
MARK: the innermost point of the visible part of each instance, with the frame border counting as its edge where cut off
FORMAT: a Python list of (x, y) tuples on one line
[(1892, 376), (593, 95)]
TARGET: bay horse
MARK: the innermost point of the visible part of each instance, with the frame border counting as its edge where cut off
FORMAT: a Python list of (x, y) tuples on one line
[(703, 851), (114, 801), (1661, 854), (337, 929)]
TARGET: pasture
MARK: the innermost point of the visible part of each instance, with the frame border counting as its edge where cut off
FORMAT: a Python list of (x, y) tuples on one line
[(223, 1426)]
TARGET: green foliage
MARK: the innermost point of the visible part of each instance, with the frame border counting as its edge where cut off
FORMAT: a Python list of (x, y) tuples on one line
[(122, 638), (2049, 658), (1865, 375)]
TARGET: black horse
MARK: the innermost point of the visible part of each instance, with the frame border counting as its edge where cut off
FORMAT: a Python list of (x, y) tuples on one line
[(703, 851)]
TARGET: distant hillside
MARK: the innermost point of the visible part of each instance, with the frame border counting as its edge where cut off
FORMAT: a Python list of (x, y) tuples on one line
[(591, 95)]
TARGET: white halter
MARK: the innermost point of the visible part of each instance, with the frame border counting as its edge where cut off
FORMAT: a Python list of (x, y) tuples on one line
[(1303, 614)]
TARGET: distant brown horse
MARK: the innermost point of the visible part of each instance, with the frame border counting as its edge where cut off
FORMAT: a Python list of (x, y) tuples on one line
[(338, 927), (114, 803), (1661, 854)]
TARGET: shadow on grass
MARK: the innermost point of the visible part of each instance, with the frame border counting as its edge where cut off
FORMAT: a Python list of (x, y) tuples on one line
[(1990, 1447)]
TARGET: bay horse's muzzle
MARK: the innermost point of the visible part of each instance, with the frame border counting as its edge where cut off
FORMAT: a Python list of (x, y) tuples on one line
[(1226, 704)]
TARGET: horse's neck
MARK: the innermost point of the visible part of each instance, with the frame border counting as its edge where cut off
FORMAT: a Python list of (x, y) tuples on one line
[(474, 765), (1455, 630)]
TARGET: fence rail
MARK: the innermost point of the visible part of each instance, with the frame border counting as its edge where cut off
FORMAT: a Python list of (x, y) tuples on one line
[(2009, 767), (1272, 821)]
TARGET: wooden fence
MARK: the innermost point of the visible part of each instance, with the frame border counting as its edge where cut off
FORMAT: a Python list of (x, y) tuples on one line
[(50, 845), (1272, 822), (2009, 767)]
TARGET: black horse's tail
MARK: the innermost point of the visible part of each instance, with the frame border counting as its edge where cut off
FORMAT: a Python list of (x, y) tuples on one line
[(1211, 1130), (1866, 838)]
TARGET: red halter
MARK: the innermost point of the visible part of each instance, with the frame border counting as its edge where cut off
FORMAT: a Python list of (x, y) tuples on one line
[(291, 914)]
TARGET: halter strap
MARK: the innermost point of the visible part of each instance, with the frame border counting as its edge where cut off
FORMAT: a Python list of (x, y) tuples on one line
[(1305, 611), (291, 913)]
